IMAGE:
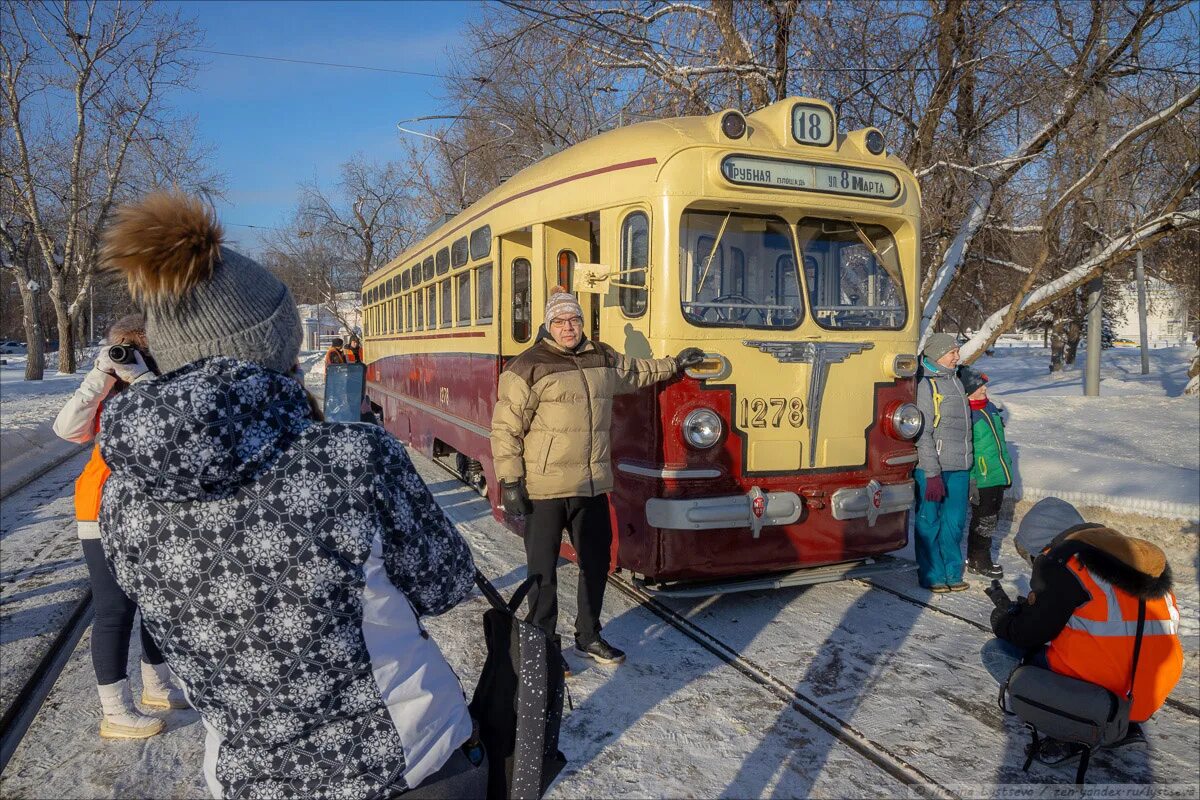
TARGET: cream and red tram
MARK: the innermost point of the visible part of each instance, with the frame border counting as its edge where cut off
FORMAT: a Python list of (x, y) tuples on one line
[(786, 250)]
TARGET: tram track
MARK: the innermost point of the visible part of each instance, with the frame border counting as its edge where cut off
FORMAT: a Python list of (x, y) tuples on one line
[(842, 730), (23, 710)]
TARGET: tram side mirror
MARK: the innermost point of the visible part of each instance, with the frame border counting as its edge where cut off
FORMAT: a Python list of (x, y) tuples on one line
[(592, 278)]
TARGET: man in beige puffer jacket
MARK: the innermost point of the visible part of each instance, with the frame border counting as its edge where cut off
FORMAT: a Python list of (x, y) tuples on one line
[(551, 449)]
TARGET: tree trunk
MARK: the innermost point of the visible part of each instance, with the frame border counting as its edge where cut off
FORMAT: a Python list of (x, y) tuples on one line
[(1074, 335), (1058, 342), (35, 340), (66, 334)]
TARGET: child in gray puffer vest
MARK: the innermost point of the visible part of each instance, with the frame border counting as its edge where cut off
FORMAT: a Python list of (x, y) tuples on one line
[(944, 455)]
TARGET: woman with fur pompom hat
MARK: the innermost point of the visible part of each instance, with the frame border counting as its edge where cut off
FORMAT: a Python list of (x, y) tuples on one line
[(282, 563)]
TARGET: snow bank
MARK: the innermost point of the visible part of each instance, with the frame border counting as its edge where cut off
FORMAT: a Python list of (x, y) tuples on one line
[(1134, 448)]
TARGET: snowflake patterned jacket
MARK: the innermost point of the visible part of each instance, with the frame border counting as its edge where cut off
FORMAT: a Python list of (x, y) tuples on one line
[(282, 565)]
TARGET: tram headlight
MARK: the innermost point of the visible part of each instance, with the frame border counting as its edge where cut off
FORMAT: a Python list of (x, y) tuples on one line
[(702, 428), (733, 124), (875, 142), (907, 421)]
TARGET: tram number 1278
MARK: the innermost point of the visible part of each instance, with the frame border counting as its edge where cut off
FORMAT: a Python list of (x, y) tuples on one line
[(772, 412)]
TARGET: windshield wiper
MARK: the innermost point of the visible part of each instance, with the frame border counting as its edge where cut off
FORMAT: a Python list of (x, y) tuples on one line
[(711, 253), (862, 237)]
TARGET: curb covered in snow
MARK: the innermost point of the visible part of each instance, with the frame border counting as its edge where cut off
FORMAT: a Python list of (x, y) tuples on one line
[(1146, 506)]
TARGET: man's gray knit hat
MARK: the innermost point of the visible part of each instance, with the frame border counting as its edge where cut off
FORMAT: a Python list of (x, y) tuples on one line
[(939, 344), (1047, 519), (200, 299)]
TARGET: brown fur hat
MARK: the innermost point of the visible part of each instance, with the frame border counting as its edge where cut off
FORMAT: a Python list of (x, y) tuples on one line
[(201, 299)]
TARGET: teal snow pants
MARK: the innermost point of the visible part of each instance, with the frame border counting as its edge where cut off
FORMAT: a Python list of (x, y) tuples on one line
[(940, 529)]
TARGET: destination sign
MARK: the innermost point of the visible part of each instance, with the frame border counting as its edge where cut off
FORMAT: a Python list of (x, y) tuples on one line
[(807, 177)]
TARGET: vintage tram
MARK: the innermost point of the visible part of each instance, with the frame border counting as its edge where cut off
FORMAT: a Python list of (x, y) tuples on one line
[(785, 249)]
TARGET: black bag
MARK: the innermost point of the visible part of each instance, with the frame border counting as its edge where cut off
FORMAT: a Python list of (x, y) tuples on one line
[(1070, 710), (518, 701)]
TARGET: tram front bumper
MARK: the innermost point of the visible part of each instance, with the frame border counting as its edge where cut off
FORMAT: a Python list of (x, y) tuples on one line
[(754, 510), (872, 500)]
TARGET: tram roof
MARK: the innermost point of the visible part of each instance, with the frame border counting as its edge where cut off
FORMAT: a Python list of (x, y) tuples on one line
[(654, 139)]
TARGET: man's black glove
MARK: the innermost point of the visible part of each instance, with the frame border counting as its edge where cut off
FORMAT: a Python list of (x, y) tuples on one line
[(514, 498), (689, 357), (999, 613)]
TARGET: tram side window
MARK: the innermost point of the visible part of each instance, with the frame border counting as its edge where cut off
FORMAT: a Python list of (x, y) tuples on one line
[(408, 312), (447, 315), (483, 295), (481, 242), (566, 269), (521, 317), (853, 274), (443, 261), (635, 258), (427, 268), (458, 252), (431, 299), (464, 298), (419, 307)]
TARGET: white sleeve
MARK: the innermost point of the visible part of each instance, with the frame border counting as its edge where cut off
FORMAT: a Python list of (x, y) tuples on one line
[(76, 422)]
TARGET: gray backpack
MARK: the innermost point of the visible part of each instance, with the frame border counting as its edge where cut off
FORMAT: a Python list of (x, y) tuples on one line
[(1070, 710)]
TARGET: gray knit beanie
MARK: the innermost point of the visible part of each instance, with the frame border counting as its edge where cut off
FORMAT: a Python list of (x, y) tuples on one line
[(200, 299), (939, 344), (1047, 519), (562, 302)]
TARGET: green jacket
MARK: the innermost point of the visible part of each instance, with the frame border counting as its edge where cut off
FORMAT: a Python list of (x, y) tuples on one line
[(992, 466)]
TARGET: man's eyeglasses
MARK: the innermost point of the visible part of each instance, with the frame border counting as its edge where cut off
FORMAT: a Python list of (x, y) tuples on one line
[(563, 322)]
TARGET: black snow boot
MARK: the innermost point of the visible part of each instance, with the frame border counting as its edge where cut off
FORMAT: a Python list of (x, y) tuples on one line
[(979, 556)]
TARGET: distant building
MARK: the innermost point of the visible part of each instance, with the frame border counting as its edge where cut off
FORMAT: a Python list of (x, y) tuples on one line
[(321, 324), (1166, 314)]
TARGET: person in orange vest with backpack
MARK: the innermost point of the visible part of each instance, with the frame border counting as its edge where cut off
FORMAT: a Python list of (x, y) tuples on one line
[(79, 421), (1081, 616)]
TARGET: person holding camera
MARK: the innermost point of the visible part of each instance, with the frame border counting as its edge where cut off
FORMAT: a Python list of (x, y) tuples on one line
[(1080, 619), (283, 563), (118, 365), (551, 449)]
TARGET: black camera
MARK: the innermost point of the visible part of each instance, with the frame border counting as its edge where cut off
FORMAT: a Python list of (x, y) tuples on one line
[(122, 354)]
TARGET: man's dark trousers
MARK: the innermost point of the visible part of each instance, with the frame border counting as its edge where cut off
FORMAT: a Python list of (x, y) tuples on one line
[(586, 520)]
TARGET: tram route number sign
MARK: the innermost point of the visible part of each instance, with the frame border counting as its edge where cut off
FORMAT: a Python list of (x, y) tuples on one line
[(809, 177)]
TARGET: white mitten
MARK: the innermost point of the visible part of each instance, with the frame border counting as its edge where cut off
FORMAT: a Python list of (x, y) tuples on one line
[(126, 372)]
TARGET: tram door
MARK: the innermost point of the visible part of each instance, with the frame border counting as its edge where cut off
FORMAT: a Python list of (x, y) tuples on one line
[(522, 294), (565, 242)]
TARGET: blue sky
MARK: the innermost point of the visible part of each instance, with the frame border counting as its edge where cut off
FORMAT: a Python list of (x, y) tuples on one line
[(273, 125)]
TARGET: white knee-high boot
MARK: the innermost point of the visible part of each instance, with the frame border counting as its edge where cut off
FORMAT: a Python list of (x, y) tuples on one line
[(122, 719), (158, 688)]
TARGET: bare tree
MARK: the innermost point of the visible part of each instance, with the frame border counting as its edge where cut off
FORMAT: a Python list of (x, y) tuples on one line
[(336, 239), (85, 124)]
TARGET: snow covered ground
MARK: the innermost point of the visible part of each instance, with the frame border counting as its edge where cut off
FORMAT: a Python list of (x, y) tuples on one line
[(1134, 448), (912, 675)]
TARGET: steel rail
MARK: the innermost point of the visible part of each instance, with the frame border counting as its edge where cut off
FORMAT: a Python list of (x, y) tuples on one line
[(20, 714)]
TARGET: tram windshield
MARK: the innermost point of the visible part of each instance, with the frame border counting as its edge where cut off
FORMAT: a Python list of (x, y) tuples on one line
[(853, 274), (738, 271)]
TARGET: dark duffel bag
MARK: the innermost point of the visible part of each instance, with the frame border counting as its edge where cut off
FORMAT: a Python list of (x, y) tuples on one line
[(519, 699), (1065, 709)]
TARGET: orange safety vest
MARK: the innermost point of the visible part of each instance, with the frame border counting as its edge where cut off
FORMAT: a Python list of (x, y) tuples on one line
[(1097, 643), (350, 356), (89, 486), (335, 356)]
